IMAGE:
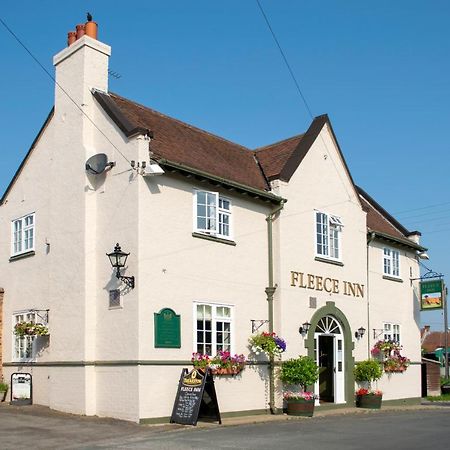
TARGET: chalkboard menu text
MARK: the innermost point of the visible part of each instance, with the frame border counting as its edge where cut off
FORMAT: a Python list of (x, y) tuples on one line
[(196, 398)]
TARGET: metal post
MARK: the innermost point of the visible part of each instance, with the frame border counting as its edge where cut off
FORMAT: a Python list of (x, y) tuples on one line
[(444, 294)]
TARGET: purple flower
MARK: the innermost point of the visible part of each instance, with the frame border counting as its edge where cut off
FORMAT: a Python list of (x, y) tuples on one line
[(280, 343)]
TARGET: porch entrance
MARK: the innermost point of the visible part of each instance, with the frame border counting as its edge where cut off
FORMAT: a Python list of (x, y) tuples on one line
[(329, 355)]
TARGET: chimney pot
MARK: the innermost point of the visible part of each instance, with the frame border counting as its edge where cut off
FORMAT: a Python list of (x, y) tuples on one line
[(80, 30), (91, 28), (71, 37)]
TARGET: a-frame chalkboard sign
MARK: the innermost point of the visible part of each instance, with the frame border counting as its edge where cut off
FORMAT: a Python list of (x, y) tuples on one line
[(196, 398)]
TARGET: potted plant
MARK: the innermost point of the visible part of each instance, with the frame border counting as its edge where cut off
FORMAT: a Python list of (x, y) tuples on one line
[(303, 372), (366, 372), (3, 390), (268, 343)]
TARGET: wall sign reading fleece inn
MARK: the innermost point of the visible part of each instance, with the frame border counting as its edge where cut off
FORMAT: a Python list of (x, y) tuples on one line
[(167, 329), (330, 285)]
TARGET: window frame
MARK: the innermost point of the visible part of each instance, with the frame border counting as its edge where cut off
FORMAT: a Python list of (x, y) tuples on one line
[(393, 331), (214, 319), (220, 212), (23, 343), (391, 259), (23, 234), (332, 222)]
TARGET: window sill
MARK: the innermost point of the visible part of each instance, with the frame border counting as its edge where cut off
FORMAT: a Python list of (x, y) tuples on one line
[(329, 261), (22, 255), (213, 238), (387, 277)]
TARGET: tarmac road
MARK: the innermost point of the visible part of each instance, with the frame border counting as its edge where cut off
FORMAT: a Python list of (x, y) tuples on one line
[(40, 428)]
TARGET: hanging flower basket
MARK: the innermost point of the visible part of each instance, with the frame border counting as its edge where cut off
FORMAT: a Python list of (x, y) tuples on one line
[(268, 343), (389, 353), (30, 329)]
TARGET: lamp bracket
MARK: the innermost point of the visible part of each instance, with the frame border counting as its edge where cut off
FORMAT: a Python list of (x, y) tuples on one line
[(377, 332), (129, 281), (257, 324)]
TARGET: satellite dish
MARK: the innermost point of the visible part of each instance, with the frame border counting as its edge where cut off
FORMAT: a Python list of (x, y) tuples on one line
[(97, 164)]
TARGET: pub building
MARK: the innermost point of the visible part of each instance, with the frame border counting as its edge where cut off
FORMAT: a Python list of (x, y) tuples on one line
[(215, 242)]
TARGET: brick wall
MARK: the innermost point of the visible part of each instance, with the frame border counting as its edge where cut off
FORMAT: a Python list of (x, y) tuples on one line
[(1, 332)]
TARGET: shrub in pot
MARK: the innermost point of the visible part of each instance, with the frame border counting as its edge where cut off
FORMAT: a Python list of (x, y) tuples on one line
[(303, 372), (368, 371)]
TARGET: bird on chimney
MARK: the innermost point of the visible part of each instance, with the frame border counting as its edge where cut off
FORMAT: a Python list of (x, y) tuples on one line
[(89, 17)]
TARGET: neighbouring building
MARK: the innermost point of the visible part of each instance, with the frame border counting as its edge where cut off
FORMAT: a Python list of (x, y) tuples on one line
[(221, 237)]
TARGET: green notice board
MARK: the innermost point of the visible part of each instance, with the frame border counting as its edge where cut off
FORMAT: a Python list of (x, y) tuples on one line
[(167, 329)]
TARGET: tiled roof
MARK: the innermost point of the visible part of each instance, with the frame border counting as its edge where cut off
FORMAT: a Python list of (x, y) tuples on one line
[(274, 157), (185, 144), (434, 340), (377, 222)]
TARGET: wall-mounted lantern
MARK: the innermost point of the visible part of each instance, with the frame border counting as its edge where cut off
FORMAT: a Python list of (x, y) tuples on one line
[(359, 333), (118, 259), (303, 330)]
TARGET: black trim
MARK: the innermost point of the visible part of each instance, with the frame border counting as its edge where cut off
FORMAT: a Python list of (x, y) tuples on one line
[(305, 144), (402, 242), (384, 213), (22, 164), (170, 166), (114, 112), (22, 255)]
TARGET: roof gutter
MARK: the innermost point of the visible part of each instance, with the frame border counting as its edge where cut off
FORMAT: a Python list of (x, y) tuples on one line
[(244, 189), (396, 240)]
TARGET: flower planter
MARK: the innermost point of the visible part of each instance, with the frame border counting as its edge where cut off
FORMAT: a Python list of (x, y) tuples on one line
[(300, 407), (224, 371), (369, 401), (400, 369), (2, 395)]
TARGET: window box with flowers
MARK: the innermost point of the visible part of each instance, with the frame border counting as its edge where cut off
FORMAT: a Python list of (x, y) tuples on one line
[(389, 353), (221, 364), (268, 343), (30, 329)]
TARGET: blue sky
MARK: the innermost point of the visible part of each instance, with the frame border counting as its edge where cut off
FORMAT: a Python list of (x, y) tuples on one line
[(379, 69)]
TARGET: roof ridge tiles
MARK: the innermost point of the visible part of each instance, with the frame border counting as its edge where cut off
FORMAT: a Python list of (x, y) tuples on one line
[(274, 144), (181, 122)]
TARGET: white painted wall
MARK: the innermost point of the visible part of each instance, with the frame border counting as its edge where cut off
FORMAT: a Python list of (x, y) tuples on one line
[(82, 217)]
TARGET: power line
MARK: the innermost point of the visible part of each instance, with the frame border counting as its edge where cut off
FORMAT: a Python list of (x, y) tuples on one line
[(428, 213), (285, 59), (297, 85), (60, 87), (421, 208)]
